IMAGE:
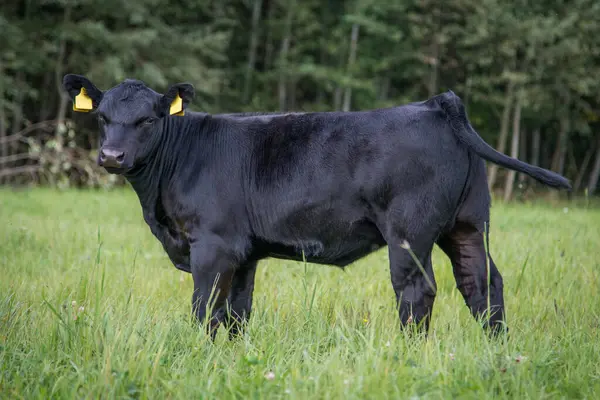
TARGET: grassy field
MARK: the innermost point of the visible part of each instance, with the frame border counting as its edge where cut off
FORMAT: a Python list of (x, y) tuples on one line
[(91, 307)]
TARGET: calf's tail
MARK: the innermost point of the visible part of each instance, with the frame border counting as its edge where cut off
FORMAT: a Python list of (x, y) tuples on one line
[(457, 117)]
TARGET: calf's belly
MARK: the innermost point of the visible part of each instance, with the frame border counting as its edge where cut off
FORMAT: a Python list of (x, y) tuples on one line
[(333, 247)]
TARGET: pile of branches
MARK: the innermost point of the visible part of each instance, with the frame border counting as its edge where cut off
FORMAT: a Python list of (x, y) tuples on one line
[(51, 157)]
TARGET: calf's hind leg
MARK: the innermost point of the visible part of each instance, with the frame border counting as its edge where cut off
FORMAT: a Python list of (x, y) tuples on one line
[(415, 292), (239, 302), (465, 247)]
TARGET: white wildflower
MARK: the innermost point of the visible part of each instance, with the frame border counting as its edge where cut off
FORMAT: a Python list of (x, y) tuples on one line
[(270, 375)]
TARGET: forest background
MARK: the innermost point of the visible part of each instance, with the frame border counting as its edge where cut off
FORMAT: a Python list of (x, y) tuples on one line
[(527, 71)]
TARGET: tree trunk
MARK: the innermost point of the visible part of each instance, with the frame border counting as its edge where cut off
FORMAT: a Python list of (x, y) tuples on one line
[(583, 168), (252, 50), (3, 144), (320, 99), (384, 89), (504, 123), (292, 94), (535, 154), (351, 59), (17, 121), (433, 78), (467, 95), (283, 54), (558, 159), (522, 178), (61, 128), (63, 102), (514, 148), (3, 133), (269, 48), (325, 16), (337, 98), (593, 181), (18, 103), (46, 99), (545, 156), (535, 147)]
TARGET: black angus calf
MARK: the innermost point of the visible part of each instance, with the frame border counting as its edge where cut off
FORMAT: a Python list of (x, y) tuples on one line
[(221, 192)]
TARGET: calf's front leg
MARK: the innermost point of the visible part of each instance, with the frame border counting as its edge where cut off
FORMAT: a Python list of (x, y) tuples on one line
[(239, 303), (213, 266), (177, 249)]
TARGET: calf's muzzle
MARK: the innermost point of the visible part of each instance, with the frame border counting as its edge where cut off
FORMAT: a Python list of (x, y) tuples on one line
[(110, 158)]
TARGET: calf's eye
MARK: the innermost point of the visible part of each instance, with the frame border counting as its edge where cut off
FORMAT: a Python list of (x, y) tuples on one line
[(148, 121)]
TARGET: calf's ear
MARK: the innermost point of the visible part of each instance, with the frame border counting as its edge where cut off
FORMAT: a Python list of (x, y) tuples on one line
[(177, 98), (85, 95)]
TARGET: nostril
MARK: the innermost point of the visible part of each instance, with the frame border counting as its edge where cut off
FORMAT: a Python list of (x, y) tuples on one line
[(102, 156), (120, 157)]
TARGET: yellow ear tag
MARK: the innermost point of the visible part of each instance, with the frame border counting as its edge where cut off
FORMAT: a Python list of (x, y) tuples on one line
[(83, 102), (177, 106)]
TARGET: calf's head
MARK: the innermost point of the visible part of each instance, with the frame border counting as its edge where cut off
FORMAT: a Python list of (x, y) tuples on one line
[(130, 116)]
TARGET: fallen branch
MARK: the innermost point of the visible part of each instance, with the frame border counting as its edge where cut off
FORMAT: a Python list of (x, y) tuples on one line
[(19, 170), (44, 125), (18, 157), (11, 138)]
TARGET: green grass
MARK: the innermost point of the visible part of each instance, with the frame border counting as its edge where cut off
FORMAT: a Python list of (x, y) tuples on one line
[(134, 337)]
